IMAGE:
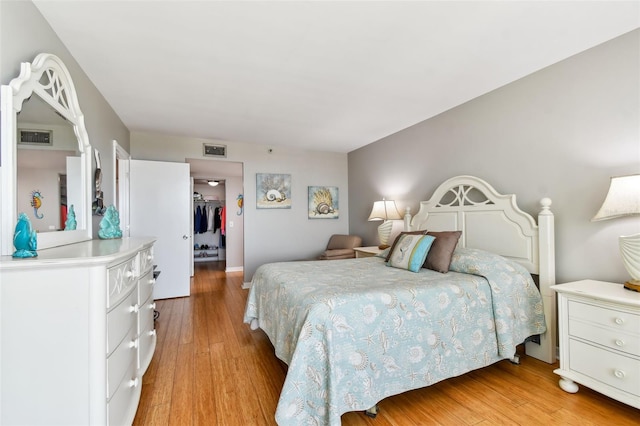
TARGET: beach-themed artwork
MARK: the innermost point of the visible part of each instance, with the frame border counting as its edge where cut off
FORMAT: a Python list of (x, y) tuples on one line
[(273, 191), (323, 202)]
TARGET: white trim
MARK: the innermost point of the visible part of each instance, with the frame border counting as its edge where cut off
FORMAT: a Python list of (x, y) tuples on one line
[(121, 157)]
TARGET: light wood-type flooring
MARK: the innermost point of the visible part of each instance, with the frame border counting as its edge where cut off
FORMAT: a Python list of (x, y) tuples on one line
[(210, 369)]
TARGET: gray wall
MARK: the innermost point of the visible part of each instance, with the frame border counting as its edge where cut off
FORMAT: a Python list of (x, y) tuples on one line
[(561, 132), (273, 234), (24, 33)]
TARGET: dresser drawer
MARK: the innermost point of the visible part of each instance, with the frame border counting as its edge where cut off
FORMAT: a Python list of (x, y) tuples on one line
[(606, 336), (607, 367), (145, 286), (605, 316), (121, 278), (121, 319), (146, 260), (147, 338), (119, 362), (121, 408)]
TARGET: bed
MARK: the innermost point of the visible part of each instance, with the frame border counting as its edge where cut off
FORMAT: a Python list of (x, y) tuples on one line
[(356, 331)]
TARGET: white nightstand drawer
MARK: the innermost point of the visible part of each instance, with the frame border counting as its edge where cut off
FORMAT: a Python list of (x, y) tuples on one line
[(605, 366), (606, 336), (605, 316)]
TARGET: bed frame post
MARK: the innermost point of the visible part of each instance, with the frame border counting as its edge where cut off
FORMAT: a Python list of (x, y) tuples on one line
[(407, 219), (546, 350)]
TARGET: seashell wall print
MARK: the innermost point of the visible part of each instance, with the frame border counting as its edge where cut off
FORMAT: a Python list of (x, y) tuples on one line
[(323, 202), (273, 191)]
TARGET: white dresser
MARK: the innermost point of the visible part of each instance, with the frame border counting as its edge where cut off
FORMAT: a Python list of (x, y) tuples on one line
[(599, 337), (77, 333)]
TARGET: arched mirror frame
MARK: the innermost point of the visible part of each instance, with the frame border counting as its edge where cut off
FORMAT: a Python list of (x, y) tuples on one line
[(57, 90)]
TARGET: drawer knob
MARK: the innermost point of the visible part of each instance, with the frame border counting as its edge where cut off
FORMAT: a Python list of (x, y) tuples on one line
[(152, 305), (619, 374), (135, 308), (619, 342), (128, 274), (619, 321), (152, 281), (149, 257), (133, 343), (133, 383), (152, 332)]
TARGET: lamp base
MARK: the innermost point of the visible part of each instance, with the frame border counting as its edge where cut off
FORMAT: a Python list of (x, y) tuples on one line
[(633, 285)]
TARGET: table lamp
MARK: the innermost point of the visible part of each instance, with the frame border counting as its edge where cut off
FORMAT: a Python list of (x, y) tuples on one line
[(386, 211), (623, 199)]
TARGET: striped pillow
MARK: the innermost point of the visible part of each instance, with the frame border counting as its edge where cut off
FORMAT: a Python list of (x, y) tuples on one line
[(410, 251)]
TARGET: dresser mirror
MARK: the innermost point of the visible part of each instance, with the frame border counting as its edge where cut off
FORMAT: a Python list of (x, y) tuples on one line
[(46, 156)]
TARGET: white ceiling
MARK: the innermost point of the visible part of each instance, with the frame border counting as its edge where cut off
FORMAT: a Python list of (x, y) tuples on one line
[(320, 75)]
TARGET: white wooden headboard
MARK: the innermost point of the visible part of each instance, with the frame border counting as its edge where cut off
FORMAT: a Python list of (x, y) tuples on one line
[(493, 222)]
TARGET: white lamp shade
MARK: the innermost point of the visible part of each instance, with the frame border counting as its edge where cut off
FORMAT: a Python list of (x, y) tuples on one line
[(384, 210), (623, 198)]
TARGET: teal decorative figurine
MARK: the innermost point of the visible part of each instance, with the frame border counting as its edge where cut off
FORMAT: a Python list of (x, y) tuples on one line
[(70, 224), (25, 239), (110, 224)]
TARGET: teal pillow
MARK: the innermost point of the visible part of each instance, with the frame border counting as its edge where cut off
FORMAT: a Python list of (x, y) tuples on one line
[(410, 251)]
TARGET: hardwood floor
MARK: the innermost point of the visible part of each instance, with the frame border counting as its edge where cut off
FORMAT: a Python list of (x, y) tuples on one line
[(210, 369)]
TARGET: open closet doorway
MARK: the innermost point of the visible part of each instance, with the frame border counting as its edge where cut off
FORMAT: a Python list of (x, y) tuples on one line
[(218, 214)]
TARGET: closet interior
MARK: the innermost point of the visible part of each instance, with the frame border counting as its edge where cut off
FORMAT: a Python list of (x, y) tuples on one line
[(208, 230)]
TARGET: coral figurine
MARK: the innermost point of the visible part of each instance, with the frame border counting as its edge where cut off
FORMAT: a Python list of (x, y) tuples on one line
[(25, 238), (110, 224), (70, 224)]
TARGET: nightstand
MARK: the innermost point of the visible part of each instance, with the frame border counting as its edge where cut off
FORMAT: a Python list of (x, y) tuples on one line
[(367, 251), (599, 337)]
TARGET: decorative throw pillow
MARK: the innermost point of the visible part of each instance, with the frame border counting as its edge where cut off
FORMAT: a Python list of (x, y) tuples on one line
[(384, 253), (410, 251), (439, 256), (422, 232)]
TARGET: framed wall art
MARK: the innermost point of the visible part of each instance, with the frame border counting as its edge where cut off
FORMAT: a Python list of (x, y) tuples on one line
[(273, 191), (323, 202)]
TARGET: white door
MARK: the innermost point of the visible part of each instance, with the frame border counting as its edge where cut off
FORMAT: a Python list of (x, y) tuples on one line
[(160, 199)]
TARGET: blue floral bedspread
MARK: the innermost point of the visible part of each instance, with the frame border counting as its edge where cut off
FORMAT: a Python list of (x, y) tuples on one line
[(356, 331)]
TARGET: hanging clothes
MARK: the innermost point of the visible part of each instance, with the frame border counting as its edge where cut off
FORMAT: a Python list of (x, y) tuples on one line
[(216, 220), (203, 220), (223, 219), (197, 223), (210, 214)]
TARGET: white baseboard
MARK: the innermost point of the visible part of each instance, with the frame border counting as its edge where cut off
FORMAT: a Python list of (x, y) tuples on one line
[(246, 285), (235, 269)]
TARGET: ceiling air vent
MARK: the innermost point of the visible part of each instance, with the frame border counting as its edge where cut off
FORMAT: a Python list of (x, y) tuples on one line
[(215, 150), (36, 137)]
